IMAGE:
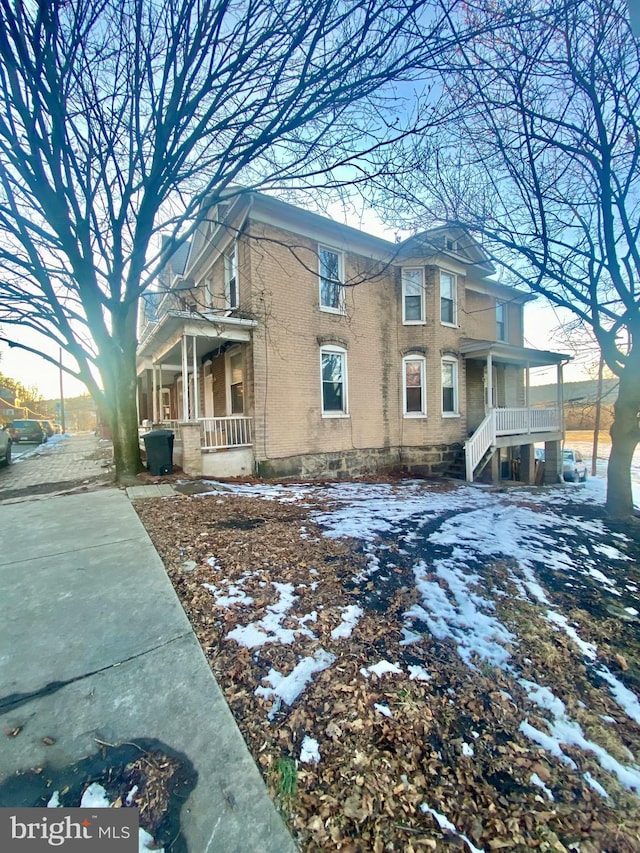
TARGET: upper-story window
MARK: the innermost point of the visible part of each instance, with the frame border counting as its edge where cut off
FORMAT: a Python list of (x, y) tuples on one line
[(333, 377), (331, 277), (231, 277), (413, 308), (501, 321), (415, 404), (448, 299), (209, 296)]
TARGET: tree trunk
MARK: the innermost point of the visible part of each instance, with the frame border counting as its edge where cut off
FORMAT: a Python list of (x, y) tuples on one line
[(625, 435), (120, 386)]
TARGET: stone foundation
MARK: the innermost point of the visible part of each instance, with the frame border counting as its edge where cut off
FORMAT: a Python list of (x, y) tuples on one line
[(422, 461)]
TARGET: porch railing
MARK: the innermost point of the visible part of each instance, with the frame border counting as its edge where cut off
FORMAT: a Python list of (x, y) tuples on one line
[(516, 422), (524, 421), (225, 433)]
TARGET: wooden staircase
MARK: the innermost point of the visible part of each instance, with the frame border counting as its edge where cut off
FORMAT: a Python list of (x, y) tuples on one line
[(457, 469)]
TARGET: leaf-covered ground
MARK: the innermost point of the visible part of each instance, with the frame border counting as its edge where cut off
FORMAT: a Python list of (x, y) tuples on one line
[(422, 666)]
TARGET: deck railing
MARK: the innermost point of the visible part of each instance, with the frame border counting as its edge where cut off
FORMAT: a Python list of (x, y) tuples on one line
[(523, 421), (225, 433), (508, 421)]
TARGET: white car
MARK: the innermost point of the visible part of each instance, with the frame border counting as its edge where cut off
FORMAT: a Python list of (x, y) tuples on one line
[(574, 468), (5, 447)]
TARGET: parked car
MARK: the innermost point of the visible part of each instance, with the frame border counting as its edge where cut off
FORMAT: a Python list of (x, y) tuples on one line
[(26, 431), (46, 426), (539, 452), (5, 446), (574, 467)]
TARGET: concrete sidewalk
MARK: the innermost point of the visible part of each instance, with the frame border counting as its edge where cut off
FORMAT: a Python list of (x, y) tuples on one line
[(95, 645)]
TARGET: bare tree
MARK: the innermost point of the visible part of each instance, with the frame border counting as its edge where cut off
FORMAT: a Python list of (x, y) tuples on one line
[(540, 159), (120, 117)]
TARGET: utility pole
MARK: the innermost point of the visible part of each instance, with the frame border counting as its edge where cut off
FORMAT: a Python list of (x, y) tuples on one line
[(62, 424)]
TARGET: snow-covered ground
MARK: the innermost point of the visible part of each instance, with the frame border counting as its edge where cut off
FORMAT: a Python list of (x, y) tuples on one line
[(448, 536)]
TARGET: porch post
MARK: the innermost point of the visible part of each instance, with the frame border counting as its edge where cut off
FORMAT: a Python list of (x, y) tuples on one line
[(526, 397), (489, 382), (154, 394), (561, 398), (196, 382), (159, 395), (185, 381)]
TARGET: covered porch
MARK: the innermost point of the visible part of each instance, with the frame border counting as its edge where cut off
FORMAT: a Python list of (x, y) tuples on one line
[(502, 423), (192, 379)]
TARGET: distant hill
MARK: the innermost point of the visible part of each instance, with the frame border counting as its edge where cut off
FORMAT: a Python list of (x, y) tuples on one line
[(584, 392), (579, 401)]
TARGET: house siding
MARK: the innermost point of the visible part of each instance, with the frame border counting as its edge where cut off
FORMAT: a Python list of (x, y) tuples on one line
[(284, 297), (279, 297)]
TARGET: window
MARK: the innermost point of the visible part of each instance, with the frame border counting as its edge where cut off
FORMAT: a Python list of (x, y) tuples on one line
[(412, 295), (333, 367), (231, 278), (413, 367), (208, 293), (448, 307), (449, 386), (235, 378), (501, 321), (331, 289)]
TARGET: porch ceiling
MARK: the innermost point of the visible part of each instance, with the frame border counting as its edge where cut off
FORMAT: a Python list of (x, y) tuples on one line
[(510, 354), (164, 343)]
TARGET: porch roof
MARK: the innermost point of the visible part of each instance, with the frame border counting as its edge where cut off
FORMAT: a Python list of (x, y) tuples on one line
[(209, 329), (510, 354)]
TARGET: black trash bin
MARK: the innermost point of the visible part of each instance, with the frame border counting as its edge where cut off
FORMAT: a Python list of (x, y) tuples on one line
[(159, 446)]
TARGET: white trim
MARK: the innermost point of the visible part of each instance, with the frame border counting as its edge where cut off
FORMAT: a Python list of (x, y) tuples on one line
[(231, 274), (422, 320), (454, 292), (334, 413), (455, 412), (228, 356), (421, 360), (340, 309), (505, 334)]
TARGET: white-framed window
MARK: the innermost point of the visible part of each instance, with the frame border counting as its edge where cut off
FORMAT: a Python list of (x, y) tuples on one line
[(414, 386), (331, 272), (235, 382), (449, 373), (208, 292), (448, 300), (501, 321), (231, 277), (333, 379), (413, 307)]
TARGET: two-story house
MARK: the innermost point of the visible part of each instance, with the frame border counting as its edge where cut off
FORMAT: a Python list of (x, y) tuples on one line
[(281, 343)]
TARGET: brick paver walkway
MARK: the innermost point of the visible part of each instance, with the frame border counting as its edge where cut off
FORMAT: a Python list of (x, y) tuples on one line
[(62, 463)]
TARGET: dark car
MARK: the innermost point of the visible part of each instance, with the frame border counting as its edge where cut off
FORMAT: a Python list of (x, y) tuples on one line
[(46, 426), (5, 447), (26, 431)]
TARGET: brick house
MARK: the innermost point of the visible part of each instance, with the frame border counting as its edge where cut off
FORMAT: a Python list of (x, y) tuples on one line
[(282, 343)]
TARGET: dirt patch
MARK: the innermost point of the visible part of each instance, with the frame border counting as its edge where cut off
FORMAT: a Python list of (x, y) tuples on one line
[(399, 751)]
